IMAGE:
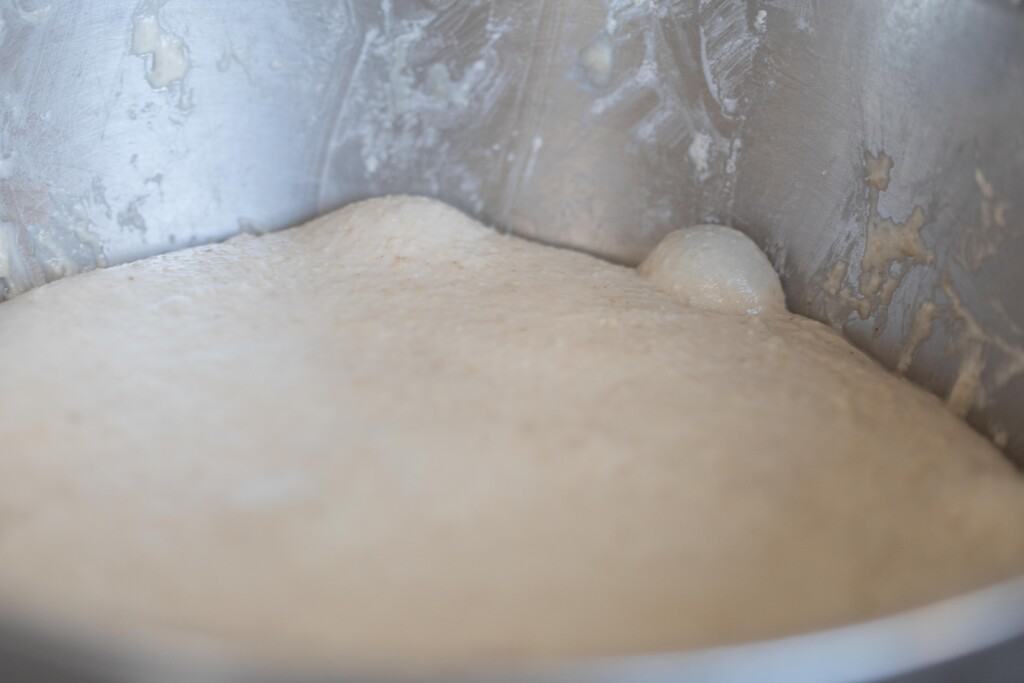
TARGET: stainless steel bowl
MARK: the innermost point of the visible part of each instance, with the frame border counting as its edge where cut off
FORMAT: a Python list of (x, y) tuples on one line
[(875, 149)]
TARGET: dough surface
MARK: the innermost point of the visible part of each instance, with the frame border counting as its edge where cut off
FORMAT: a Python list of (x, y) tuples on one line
[(715, 268), (395, 435)]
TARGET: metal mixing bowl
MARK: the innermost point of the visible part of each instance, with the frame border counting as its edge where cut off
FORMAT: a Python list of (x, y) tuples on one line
[(875, 149)]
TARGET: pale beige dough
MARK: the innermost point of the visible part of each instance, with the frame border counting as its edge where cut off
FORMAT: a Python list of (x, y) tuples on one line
[(716, 268), (393, 434)]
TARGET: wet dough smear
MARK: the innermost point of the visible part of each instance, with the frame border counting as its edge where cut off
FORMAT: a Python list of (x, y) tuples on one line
[(393, 434)]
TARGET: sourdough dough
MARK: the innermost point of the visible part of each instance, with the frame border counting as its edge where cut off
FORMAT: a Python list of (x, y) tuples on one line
[(717, 268), (394, 434)]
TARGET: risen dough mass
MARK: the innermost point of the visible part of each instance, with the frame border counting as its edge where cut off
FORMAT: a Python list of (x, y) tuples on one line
[(395, 434)]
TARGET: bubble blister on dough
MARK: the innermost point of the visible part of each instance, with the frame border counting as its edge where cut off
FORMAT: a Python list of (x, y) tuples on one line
[(715, 268)]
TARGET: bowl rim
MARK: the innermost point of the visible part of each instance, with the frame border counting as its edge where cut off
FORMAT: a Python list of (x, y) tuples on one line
[(876, 650)]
